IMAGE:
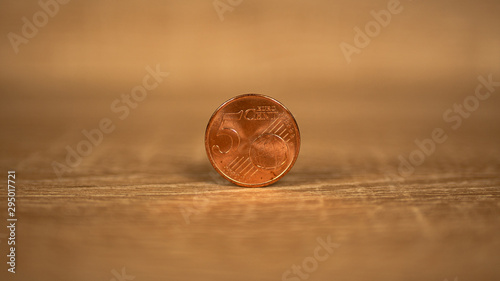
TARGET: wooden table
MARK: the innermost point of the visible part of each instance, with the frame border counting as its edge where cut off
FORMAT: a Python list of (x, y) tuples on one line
[(145, 204)]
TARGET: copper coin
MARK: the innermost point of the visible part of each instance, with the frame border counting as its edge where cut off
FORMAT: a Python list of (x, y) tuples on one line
[(252, 140)]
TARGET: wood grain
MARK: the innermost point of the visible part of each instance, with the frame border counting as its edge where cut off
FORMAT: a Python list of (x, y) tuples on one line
[(147, 200), (145, 204)]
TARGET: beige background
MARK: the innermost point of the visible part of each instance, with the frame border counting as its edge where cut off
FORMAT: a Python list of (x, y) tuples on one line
[(123, 206)]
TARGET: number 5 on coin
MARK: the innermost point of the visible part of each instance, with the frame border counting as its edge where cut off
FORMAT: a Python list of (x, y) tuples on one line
[(230, 132)]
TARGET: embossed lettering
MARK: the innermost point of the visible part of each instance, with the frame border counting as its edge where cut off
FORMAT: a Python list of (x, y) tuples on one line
[(262, 112)]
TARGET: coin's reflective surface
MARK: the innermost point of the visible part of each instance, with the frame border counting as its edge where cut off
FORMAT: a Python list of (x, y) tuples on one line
[(252, 140)]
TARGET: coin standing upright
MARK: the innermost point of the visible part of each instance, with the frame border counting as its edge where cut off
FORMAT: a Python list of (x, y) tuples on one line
[(252, 140)]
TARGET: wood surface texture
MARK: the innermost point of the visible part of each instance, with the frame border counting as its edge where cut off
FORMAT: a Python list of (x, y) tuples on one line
[(146, 199), (145, 204)]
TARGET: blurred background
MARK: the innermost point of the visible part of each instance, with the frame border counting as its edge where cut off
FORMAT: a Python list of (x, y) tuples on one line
[(90, 53), (356, 119)]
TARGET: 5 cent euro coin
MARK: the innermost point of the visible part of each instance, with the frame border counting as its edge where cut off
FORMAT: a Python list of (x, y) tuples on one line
[(252, 140)]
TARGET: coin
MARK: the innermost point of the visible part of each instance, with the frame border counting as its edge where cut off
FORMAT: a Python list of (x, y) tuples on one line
[(252, 140)]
